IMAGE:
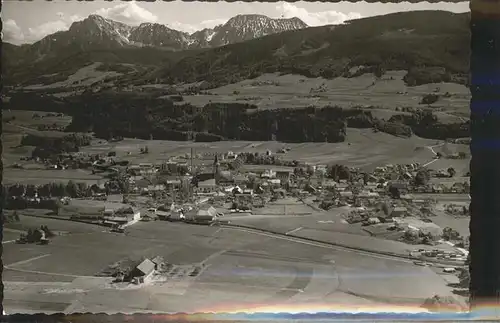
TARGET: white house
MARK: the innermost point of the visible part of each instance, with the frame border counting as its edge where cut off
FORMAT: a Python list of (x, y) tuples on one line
[(145, 271)]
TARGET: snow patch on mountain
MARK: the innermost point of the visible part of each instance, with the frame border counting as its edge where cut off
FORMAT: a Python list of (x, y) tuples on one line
[(96, 31)]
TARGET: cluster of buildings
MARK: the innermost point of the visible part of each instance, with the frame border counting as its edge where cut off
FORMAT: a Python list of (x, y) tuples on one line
[(198, 214), (180, 181)]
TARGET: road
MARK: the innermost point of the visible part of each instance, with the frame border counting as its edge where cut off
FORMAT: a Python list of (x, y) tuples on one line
[(431, 148), (450, 197)]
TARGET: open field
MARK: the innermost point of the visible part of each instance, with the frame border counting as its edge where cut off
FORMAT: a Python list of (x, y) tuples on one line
[(460, 224), (24, 176), (242, 266), (330, 226), (25, 118), (365, 149), (85, 76), (461, 166), (9, 236), (389, 92)]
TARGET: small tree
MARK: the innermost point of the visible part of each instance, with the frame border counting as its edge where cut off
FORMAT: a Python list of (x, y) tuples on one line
[(422, 177), (451, 171), (15, 216), (429, 99), (385, 208), (72, 189), (395, 193), (29, 236)]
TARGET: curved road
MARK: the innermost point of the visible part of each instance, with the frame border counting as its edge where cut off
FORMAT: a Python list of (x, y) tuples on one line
[(431, 148)]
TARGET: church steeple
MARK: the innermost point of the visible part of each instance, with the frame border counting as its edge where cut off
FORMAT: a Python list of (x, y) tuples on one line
[(216, 169)]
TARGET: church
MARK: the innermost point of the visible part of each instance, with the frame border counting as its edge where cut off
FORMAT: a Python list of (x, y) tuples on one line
[(217, 175)]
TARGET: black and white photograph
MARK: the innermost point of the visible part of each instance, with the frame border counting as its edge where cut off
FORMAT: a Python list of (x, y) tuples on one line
[(163, 157)]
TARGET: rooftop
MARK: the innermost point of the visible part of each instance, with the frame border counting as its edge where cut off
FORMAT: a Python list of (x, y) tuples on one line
[(146, 267)]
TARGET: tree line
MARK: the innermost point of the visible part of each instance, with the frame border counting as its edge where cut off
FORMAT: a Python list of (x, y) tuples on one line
[(21, 196), (46, 146)]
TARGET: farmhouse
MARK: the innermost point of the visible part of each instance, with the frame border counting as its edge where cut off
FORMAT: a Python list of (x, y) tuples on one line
[(126, 215), (204, 215), (143, 273)]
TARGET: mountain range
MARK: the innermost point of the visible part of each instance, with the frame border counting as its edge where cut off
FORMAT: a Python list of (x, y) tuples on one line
[(96, 32), (246, 46)]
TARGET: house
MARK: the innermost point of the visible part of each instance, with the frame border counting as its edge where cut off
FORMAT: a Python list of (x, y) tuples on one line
[(385, 219), (240, 179), (131, 213), (147, 218), (342, 186), (208, 186), (147, 168), (144, 272), (170, 167), (247, 191), (400, 185), (274, 182), (230, 155), (329, 184), (371, 187), (156, 187), (406, 197), (98, 188), (132, 179), (399, 212), (225, 178), (366, 194), (134, 170), (268, 173), (115, 219), (346, 194), (177, 215), (236, 190), (173, 183), (322, 169), (437, 189), (310, 189), (142, 184), (109, 210), (163, 214), (283, 175), (407, 176), (372, 220), (203, 215)]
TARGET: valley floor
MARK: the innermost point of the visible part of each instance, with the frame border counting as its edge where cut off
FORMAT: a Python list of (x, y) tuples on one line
[(243, 270)]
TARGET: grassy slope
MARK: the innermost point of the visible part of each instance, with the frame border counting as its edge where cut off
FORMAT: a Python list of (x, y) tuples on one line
[(396, 41)]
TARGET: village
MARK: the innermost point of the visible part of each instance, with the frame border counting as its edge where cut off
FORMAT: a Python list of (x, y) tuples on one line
[(392, 202)]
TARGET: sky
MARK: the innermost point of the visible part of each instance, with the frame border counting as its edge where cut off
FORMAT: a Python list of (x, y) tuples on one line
[(30, 21)]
